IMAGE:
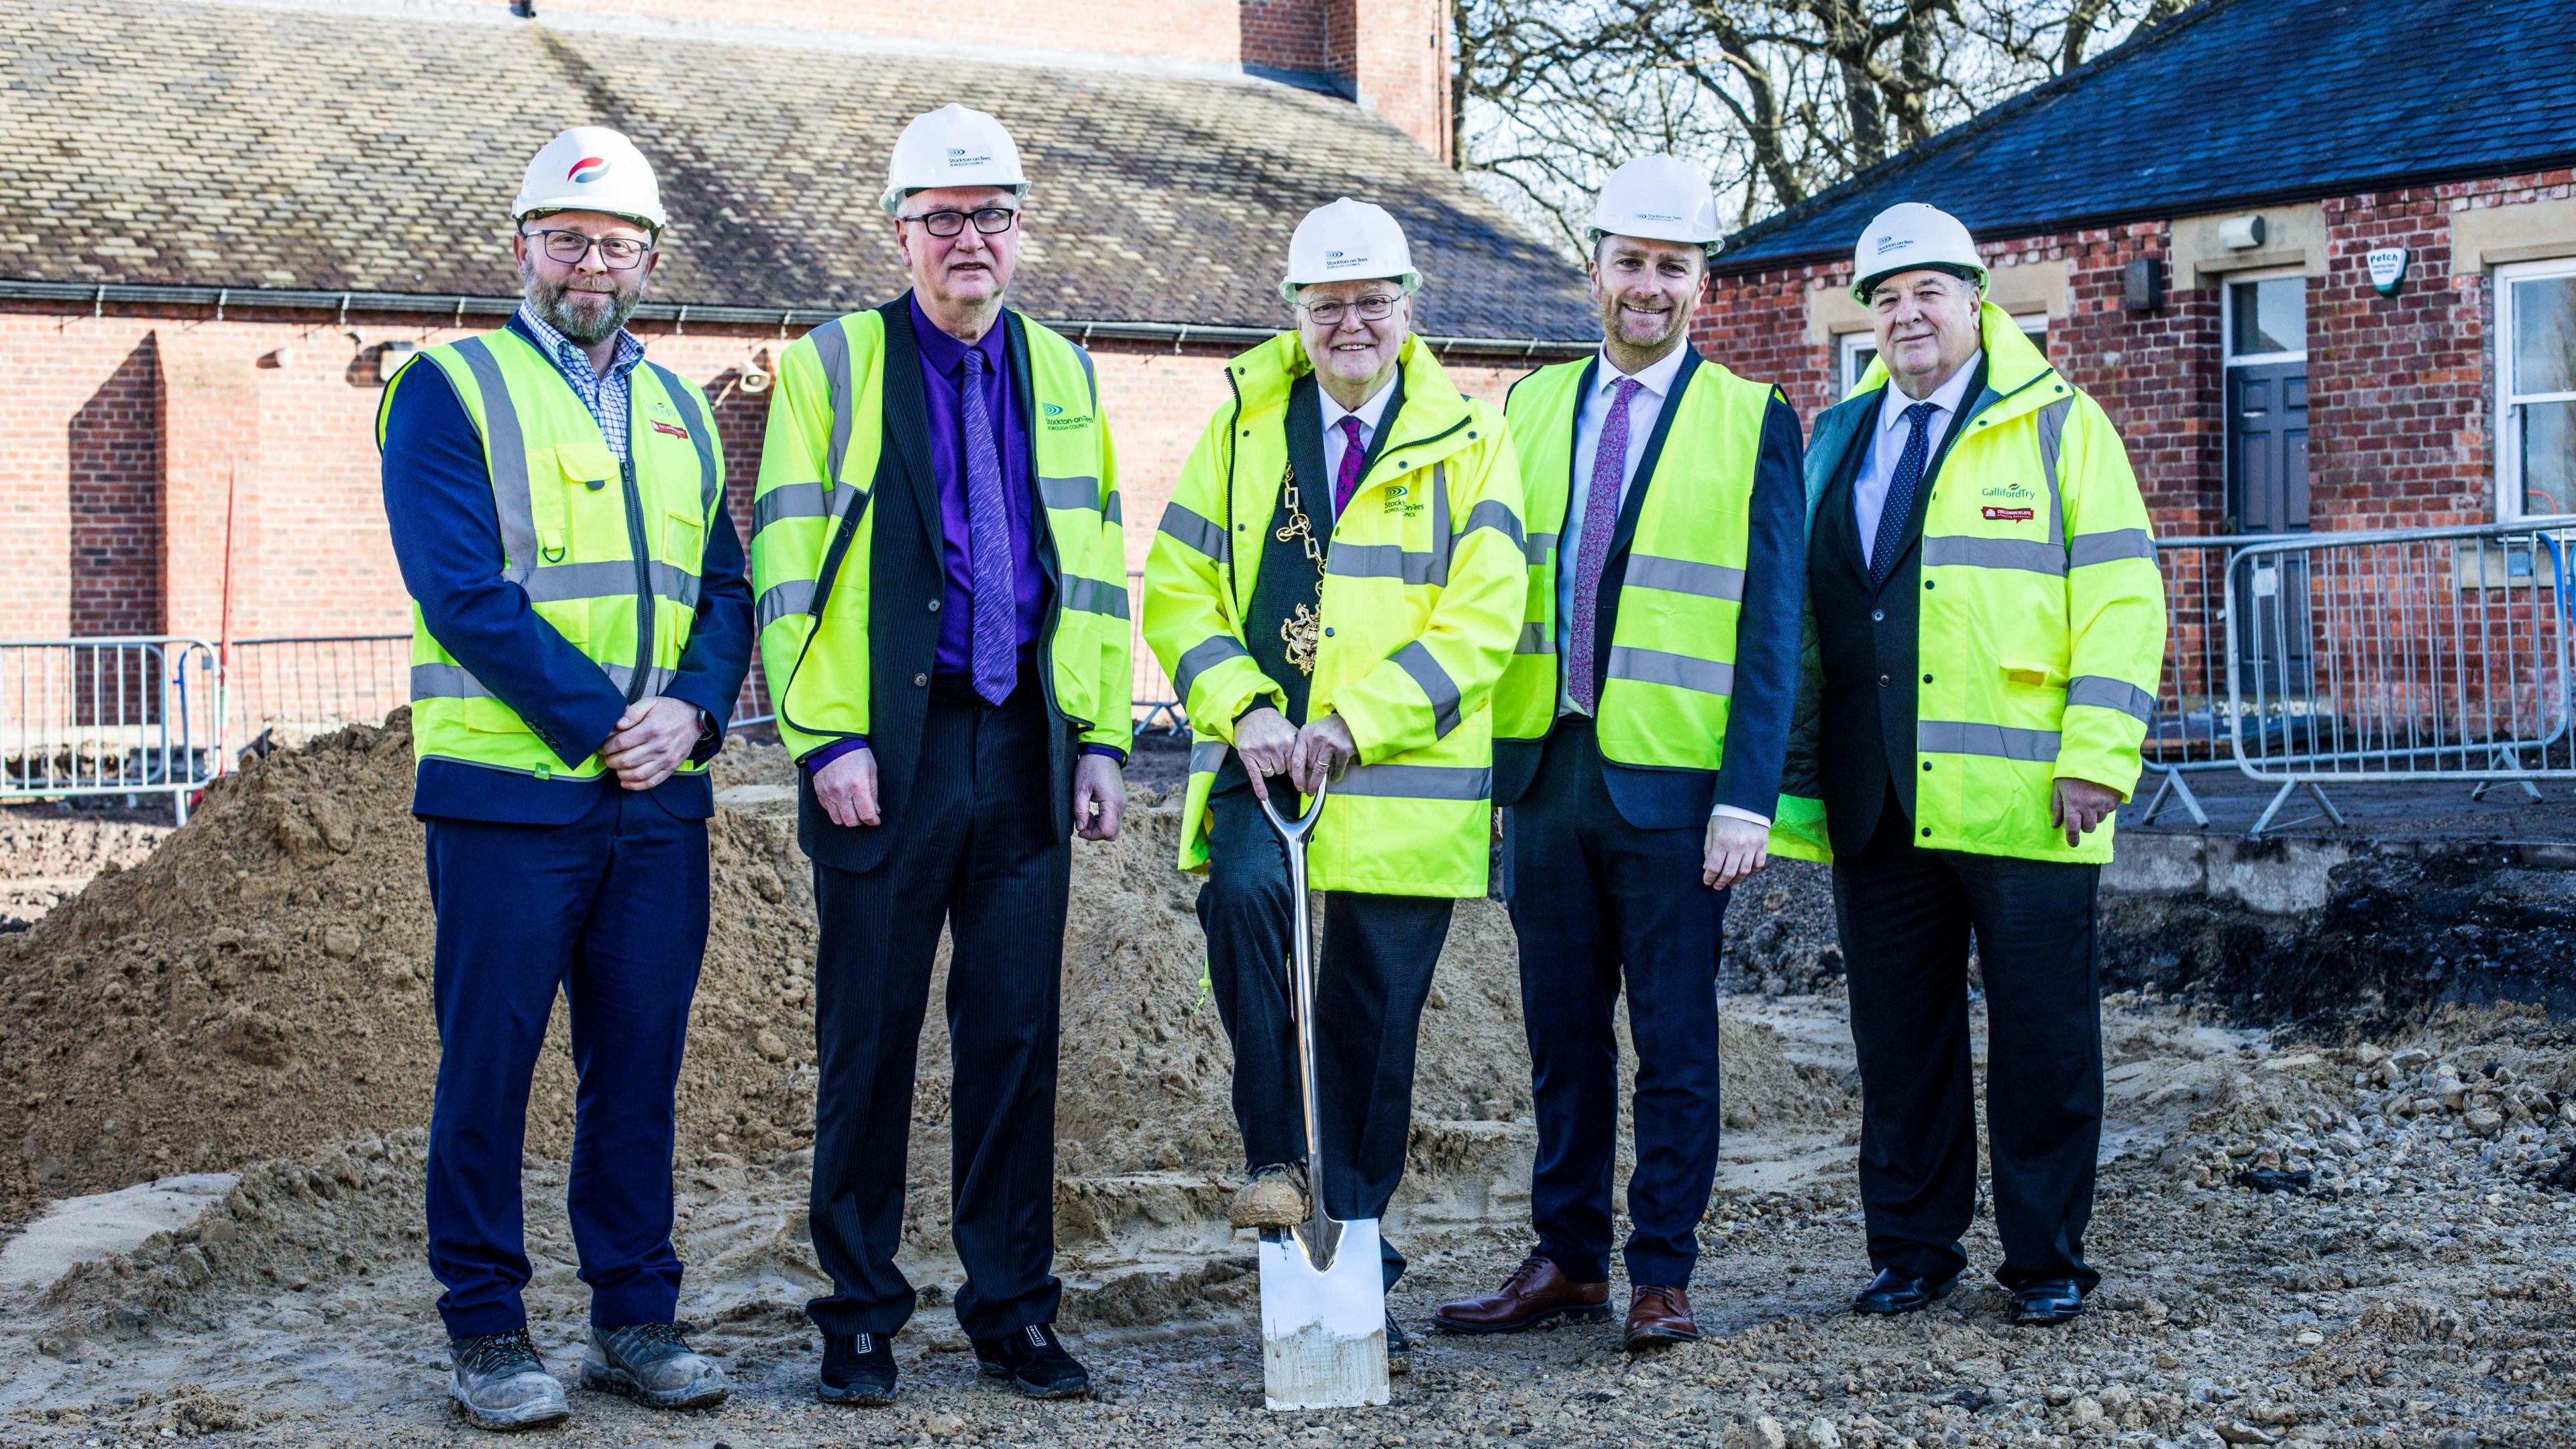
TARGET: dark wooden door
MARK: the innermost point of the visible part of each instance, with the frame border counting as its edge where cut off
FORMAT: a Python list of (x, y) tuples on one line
[(2267, 492)]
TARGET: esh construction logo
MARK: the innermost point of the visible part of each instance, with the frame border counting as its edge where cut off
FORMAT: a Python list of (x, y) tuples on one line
[(587, 170)]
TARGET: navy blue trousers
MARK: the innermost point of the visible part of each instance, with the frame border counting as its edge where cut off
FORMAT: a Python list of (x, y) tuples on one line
[(1598, 903), (611, 910)]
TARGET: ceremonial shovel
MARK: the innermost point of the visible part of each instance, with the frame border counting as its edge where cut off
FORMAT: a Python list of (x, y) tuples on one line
[(1323, 1291)]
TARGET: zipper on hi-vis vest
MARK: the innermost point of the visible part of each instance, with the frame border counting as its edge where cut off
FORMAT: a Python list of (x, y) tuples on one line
[(643, 676)]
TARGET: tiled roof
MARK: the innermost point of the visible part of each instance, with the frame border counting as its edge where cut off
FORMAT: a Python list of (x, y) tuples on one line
[(375, 147), (2234, 103)]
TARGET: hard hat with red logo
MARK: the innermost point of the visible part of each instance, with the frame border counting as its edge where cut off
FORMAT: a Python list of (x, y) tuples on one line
[(592, 168)]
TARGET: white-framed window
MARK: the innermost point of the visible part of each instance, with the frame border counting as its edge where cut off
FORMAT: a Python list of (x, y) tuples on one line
[(2266, 318), (2535, 331), (1860, 349)]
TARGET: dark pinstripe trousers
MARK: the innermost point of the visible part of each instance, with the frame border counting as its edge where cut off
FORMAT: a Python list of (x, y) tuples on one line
[(975, 849)]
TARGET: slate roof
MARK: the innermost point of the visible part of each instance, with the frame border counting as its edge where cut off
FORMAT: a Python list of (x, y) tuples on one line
[(2234, 103), (374, 147)]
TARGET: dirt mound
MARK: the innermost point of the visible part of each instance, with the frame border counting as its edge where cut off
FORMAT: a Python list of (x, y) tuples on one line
[(259, 988)]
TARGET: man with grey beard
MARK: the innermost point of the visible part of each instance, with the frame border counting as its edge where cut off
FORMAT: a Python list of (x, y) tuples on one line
[(582, 624)]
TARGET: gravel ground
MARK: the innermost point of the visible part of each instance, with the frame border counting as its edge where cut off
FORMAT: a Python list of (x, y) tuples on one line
[(2416, 1293)]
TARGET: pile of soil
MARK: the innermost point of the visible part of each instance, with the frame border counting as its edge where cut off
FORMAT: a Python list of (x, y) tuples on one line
[(53, 849), (259, 988)]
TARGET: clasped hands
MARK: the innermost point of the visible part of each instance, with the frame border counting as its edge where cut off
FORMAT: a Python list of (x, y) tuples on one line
[(1270, 745), (652, 739)]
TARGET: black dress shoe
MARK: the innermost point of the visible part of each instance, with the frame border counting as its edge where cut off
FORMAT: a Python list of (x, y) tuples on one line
[(2050, 1300), (857, 1370), (1035, 1362), (1892, 1292)]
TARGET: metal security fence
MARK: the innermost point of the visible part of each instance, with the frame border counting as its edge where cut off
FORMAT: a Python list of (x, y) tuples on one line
[(286, 691), (2190, 732), (1158, 705), (132, 715), (2407, 655)]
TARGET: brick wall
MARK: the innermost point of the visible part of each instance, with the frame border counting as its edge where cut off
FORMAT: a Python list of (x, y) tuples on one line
[(1401, 62), (1204, 30), (2400, 388), (1292, 34)]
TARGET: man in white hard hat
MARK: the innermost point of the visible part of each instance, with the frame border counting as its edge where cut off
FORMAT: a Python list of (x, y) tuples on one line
[(1334, 589), (943, 617), (1989, 626), (581, 626), (1638, 744)]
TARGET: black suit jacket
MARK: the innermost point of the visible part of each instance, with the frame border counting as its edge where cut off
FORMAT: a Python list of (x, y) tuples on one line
[(1866, 635), (907, 577)]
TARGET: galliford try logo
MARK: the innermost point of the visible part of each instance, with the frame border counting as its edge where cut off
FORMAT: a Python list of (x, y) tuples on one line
[(960, 156)]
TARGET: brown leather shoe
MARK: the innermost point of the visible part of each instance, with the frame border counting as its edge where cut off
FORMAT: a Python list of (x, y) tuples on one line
[(1536, 1293), (1658, 1316)]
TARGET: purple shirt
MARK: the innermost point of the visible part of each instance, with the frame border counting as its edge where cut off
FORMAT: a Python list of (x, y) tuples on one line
[(943, 377)]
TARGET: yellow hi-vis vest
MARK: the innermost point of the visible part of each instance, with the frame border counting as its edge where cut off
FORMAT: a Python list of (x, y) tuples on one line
[(609, 555), (1421, 601), (813, 534), (2042, 627), (1672, 659)]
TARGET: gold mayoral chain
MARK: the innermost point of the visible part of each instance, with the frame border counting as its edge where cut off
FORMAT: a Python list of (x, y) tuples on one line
[(1301, 630)]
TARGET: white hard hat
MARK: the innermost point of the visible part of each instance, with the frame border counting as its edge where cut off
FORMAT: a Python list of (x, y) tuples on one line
[(1348, 241), (1660, 197), (1910, 235), (952, 146), (592, 168)]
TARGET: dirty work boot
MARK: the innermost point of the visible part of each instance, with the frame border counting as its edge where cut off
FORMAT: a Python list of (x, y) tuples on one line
[(1272, 1199), (1035, 1362), (500, 1383), (651, 1364)]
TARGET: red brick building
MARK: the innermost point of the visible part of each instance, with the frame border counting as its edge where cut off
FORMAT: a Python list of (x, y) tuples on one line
[(219, 218), (2189, 223)]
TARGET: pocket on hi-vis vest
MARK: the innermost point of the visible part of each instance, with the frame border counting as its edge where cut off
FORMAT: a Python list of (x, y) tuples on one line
[(2038, 676)]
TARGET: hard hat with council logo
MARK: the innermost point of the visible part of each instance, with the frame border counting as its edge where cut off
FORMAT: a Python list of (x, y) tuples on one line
[(1348, 241), (1911, 236), (1660, 198), (952, 146), (592, 168)]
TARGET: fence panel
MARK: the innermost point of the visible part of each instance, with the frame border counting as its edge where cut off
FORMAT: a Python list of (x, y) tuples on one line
[(112, 716)]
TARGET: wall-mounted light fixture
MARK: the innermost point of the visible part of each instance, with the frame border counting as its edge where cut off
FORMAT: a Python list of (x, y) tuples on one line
[(2142, 285), (2241, 233), (391, 356)]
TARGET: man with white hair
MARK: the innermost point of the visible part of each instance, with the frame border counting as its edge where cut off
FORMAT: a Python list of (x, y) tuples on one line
[(1988, 625), (1638, 743), (943, 621), (1334, 589), (581, 625)]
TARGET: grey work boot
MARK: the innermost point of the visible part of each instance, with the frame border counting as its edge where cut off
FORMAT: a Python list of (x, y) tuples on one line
[(1271, 1199), (500, 1382), (651, 1364)]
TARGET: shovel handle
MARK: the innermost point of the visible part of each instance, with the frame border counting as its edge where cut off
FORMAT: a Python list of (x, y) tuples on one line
[(1298, 829)]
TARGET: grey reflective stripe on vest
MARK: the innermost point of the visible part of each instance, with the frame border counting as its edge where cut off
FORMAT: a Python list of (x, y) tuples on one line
[(699, 433), (555, 583), (454, 681), (780, 600), (1203, 656), (832, 349), (1206, 756), (1683, 576), (1537, 546), (1969, 551), (1535, 640), (1091, 596), (2103, 692), (1417, 782), (507, 447), (1197, 533), (790, 500), (1386, 561), (2052, 432), (1436, 684), (1114, 512), (2003, 742), (1069, 492), (1497, 515), (1655, 666), (2110, 546)]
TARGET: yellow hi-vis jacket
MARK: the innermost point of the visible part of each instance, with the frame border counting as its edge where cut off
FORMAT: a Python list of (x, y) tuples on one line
[(1672, 659), (1422, 602), (813, 534), (609, 555), (2042, 628)]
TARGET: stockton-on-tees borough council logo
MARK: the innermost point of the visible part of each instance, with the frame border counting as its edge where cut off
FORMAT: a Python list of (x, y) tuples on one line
[(1057, 420), (587, 170)]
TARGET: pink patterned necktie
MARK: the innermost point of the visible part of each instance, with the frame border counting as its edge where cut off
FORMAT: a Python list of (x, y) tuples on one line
[(1347, 481), (1600, 520)]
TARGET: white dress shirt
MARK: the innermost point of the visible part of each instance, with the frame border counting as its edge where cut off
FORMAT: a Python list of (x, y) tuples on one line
[(1887, 445), (1319, 501)]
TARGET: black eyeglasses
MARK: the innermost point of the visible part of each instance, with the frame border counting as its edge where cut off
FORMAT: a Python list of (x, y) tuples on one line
[(988, 220), (1376, 307), (617, 253)]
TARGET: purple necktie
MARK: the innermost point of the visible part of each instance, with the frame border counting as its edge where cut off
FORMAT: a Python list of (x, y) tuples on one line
[(996, 651), (1600, 520), (1347, 481)]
